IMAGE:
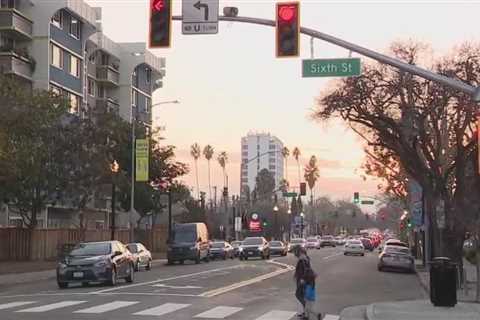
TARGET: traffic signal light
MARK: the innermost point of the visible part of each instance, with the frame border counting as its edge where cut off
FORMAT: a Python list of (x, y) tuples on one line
[(356, 197), (409, 223), (160, 23), (303, 189), (288, 29)]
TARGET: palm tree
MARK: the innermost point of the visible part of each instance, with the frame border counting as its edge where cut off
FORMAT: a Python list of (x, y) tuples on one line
[(208, 153), (296, 154), (196, 152), (311, 175), (285, 154), (222, 160)]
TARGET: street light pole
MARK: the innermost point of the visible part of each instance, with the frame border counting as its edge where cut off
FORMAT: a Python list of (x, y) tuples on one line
[(114, 168)]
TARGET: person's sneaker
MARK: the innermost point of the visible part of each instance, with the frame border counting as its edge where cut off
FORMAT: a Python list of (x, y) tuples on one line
[(301, 315)]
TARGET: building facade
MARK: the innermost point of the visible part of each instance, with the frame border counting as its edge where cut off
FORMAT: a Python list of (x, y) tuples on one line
[(59, 46), (260, 151)]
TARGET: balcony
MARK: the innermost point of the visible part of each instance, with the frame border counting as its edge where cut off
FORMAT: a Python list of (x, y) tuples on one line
[(107, 105), (108, 75), (12, 63), (15, 24), (144, 117)]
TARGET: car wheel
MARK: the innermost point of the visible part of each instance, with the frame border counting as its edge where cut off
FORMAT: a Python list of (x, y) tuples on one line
[(246, 258), (344, 253), (62, 285), (362, 254), (149, 265), (131, 274), (113, 277)]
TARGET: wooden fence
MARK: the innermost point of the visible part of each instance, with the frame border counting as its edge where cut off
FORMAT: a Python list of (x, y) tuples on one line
[(45, 244)]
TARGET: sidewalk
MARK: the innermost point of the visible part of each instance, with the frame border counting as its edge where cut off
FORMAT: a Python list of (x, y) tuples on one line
[(466, 294)]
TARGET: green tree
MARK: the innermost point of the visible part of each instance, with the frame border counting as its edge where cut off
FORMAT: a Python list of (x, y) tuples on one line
[(208, 152), (195, 152), (286, 154), (311, 175), (222, 161), (296, 154), (265, 185)]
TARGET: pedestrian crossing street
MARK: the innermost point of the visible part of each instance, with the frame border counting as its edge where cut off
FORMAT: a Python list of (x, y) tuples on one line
[(137, 309)]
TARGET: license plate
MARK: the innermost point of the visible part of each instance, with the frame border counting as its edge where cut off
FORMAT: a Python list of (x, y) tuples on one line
[(250, 253), (78, 274)]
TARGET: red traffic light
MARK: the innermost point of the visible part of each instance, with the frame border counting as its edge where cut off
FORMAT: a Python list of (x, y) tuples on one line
[(287, 12), (158, 5), (160, 23), (288, 29)]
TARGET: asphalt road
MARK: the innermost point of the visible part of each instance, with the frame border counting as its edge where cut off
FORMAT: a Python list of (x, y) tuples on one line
[(232, 289)]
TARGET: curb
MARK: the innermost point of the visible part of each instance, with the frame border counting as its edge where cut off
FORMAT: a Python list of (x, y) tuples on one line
[(425, 286), (370, 314)]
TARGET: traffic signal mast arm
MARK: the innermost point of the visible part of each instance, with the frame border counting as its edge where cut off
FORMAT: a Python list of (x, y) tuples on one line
[(474, 92)]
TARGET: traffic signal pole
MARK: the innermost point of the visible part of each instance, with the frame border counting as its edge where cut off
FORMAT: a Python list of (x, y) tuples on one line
[(474, 92)]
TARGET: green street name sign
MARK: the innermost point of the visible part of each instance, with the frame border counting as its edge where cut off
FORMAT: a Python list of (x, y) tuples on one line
[(331, 68), (289, 194), (367, 202)]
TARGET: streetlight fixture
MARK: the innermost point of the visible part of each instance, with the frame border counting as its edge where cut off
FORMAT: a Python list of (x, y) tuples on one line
[(134, 121), (114, 167), (275, 215)]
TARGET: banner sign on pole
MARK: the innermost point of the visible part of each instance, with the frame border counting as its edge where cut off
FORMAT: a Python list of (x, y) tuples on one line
[(141, 160), (415, 193)]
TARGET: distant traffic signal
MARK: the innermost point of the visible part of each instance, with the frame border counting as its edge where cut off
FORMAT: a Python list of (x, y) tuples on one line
[(288, 29), (409, 223), (356, 197), (303, 189), (160, 23)]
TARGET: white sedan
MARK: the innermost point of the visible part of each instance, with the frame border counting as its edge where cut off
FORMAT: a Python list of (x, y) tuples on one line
[(354, 247)]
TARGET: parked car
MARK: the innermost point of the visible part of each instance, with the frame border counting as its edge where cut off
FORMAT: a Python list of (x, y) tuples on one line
[(141, 256), (236, 246), (296, 243), (278, 248), (105, 261), (396, 257), (354, 247), (367, 244), (313, 243), (221, 249), (327, 241), (254, 247), (340, 241), (189, 242)]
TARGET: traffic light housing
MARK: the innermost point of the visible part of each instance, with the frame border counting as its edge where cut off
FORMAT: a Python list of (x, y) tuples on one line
[(356, 197), (160, 23), (303, 189), (288, 29)]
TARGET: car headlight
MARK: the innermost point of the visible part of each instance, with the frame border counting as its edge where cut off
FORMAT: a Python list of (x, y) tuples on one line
[(102, 264), (260, 248), (240, 249)]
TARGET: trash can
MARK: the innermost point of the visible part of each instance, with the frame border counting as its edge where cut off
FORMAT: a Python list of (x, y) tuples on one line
[(443, 282)]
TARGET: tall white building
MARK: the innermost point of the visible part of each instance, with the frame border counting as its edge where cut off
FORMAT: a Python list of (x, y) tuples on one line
[(260, 151)]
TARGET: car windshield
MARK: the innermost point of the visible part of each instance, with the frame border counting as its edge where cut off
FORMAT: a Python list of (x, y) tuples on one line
[(354, 242), (399, 244), (218, 245), (132, 248), (236, 243), (312, 239), (399, 250), (92, 249), (327, 238), (252, 241), (185, 234), (297, 241), (276, 244)]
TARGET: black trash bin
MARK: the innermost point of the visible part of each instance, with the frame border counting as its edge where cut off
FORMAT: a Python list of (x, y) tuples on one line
[(443, 282)]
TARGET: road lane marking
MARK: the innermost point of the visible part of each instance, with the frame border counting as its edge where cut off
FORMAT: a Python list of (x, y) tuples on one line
[(166, 279), (333, 255), (220, 312), (222, 290), (52, 306), (107, 307), (277, 315), (15, 304), (161, 285), (331, 317), (161, 310)]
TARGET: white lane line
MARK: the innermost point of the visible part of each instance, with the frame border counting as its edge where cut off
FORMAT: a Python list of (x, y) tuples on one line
[(161, 310), (333, 255), (52, 306), (107, 307), (220, 312), (331, 317), (222, 290), (166, 279), (277, 315), (15, 304)]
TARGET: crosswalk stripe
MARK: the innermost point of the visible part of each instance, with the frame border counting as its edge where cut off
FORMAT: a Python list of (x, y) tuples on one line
[(277, 315), (15, 304), (331, 317), (52, 306), (107, 307), (220, 312), (161, 310)]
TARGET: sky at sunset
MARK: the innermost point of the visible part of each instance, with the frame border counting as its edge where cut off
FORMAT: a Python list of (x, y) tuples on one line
[(231, 83)]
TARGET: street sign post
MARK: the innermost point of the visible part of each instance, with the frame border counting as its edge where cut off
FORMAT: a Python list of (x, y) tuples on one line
[(200, 16), (347, 67), (141, 160), (238, 224)]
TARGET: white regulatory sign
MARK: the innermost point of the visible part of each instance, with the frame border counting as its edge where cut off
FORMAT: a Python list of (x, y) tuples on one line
[(200, 16)]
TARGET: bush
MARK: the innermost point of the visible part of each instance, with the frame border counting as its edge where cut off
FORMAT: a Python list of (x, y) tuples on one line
[(471, 256)]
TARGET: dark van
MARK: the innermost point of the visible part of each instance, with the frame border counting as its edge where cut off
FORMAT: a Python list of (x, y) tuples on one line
[(189, 242)]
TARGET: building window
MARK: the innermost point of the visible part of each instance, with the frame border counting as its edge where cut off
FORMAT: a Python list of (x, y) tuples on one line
[(271, 160), (135, 79), (271, 167), (148, 71), (57, 19), (245, 153), (148, 104), (75, 28), (74, 66), (134, 98), (7, 4), (6, 43), (271, 147), (245, 146), (74, 103), (57, 56), (91, 87), (93, 58), (101, 91)]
